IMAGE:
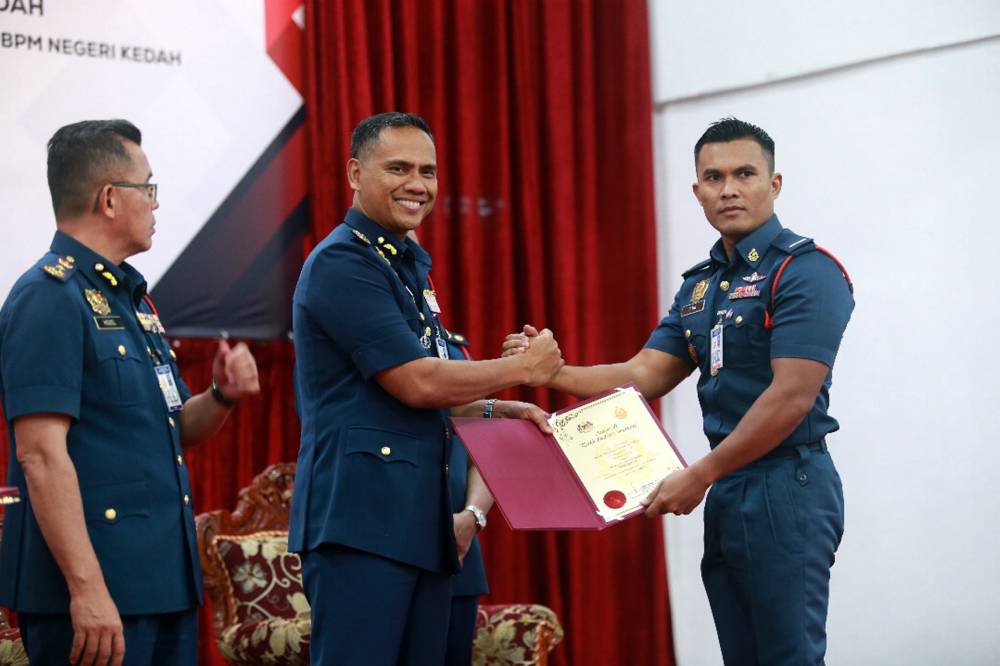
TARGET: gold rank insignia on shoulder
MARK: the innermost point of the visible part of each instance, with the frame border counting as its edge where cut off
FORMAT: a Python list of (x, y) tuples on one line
[(361, 237), (98, 301), (62, 269), (753, 255)]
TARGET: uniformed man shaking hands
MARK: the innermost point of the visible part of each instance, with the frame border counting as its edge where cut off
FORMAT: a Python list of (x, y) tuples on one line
[(100, 560), (370, 511), (762, 320)]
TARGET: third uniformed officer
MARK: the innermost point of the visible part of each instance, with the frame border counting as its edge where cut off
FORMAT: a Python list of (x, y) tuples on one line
[(762, 320)]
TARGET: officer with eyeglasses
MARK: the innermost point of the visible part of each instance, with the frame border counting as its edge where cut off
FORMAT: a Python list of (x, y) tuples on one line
[(100, 559)]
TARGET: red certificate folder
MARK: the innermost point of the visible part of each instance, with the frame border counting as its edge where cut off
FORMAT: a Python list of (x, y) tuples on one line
[(529, 476)]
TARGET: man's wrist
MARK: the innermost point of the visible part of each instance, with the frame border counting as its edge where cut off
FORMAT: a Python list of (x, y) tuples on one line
[(479, 515), (220, 397)]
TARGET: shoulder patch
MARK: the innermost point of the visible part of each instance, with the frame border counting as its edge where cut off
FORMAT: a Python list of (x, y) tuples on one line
[(697, 268), (61, 269)]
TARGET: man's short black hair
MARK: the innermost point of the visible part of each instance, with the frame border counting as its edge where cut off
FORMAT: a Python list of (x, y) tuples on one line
[(732, 129), (82, 157), (367, 131)]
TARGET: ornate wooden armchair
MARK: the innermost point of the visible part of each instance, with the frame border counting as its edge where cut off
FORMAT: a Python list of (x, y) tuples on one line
[(261, 615), (11, 648)]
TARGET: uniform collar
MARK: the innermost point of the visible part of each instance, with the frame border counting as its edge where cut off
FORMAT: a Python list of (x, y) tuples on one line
[(752, 248), (385, 243), (99, 270)]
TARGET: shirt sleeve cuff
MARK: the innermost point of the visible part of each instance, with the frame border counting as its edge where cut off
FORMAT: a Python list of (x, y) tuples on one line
[(42, 400), (670, 346), (387, 353), (809, 352)]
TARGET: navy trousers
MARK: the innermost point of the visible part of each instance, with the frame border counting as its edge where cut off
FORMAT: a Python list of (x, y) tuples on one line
[(371, 611), (461, 630), (166, 639), (771, 531)]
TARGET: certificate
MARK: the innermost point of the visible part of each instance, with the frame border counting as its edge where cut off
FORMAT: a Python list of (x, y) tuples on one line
[(606, 455), (617, 449)]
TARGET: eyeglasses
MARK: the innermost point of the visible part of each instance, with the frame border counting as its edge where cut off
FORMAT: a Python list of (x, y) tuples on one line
[(150, 189)]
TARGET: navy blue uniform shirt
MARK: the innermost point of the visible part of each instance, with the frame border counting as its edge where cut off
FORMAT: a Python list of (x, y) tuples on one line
[(71, 343), (471, 580), (372, 471), (812, 306)]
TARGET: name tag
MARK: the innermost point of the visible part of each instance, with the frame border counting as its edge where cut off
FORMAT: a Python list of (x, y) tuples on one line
[(432, 301), (171, 395), (108, 322), (692, 308)]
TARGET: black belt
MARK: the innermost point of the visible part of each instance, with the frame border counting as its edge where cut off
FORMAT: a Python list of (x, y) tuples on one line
[(789, 450)]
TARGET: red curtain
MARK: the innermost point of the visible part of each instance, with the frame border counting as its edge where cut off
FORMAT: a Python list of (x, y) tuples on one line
[(542, 119)]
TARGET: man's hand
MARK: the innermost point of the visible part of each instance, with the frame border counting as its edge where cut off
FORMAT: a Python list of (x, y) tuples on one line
[(235, 371), (97, 629), (543, 358), (514, 409), (465, 529), (678, 493), (518, 343)]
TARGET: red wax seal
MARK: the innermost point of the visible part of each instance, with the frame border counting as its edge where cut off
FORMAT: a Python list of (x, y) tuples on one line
[(614, 499)]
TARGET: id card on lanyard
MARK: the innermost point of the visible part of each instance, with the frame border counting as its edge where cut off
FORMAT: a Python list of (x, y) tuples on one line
[(716, 355), (168, 387)]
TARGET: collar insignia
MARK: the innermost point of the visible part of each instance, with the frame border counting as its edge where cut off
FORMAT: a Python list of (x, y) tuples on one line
[(752, 255)]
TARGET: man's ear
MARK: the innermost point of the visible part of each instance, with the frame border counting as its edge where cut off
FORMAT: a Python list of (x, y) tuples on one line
[(354, 173), (776, 181), (106, 202)]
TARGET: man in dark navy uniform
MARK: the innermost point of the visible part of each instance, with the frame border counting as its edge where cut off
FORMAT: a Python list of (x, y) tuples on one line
[(100, 558), (371, 511), (765, 347)]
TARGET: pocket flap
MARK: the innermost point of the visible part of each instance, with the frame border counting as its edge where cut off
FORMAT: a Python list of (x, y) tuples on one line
[(386, 445), (109, 504)]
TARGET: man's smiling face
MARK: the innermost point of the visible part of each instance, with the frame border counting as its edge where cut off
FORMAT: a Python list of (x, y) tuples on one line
[(395, 179)]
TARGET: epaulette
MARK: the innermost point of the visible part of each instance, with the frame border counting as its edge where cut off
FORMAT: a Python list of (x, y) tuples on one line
[(61, 269), (360, 237), (790, 242), (697, 268)]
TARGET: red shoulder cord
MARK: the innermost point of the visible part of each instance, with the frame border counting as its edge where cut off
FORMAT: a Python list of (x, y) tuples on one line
[(149, 302), (768, 317)]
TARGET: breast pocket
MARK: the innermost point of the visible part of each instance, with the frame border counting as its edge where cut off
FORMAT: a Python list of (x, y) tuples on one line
[(120, 371), (746, 342), (381, 475)]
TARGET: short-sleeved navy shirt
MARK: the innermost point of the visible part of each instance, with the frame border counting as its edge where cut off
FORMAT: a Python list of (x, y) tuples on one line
[(471, 580), (78, 338), (812, 306), (372, 471)]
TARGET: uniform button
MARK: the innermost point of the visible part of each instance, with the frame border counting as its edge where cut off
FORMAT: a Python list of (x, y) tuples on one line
[(110, 514), (803, 477), (187, 499), (69, 258), (724, 285), (739, 319), (687, 333), (98, 267), (715, 371), (149, 351), (446, 468), (173, 355), (121, 350), (180, 460), (386, 450), (170, 420)]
